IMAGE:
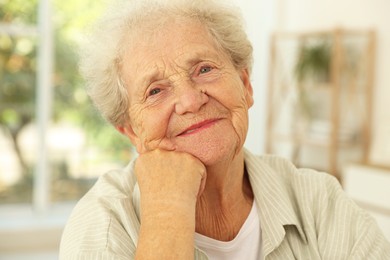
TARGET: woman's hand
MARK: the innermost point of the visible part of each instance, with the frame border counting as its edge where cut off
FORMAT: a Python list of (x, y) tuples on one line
[(169, 176), (170, 183)]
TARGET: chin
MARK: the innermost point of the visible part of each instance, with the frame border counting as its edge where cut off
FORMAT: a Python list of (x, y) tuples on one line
[(212, 153), (215, 145)]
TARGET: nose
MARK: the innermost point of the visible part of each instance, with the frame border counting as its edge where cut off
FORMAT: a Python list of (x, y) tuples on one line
[(189, 99)]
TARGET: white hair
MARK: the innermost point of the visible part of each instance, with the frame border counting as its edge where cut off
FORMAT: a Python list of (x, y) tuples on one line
[(102, 54)]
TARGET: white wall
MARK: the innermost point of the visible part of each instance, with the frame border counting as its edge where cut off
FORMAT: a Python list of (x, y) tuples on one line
[(260, 21)]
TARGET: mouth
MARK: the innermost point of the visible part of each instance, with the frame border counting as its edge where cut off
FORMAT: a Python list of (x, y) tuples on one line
[(198, 127)]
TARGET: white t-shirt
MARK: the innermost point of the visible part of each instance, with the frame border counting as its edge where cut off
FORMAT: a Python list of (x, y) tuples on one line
[(246, 245)]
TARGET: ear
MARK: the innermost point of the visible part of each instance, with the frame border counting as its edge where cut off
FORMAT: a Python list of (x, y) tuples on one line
[(129, 132), (247, 87)]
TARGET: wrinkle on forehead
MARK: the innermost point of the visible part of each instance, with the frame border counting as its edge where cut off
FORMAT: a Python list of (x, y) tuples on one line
[(157, 43)]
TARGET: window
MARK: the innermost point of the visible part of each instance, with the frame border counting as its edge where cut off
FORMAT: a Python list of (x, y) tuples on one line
[(53, 144)]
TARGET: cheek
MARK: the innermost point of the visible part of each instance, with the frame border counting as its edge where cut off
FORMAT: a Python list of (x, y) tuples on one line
[(150, 125), (240, 124), (232, 97)]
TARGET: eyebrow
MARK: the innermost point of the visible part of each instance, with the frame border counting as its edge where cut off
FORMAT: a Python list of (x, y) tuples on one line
[(201, 55), (154, 74), (150, 76)]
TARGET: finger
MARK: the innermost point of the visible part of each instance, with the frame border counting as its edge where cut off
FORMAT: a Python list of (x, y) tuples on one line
[(167, 145), (202, 184)]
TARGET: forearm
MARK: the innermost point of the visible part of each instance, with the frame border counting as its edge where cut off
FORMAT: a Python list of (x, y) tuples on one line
[(169, 185), (167, 232)]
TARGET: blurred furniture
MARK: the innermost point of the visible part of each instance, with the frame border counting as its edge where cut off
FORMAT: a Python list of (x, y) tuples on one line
[(320, 98), (368, 186)]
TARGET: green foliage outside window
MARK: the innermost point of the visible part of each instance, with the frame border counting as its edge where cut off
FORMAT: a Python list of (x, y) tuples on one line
[(18, 68)]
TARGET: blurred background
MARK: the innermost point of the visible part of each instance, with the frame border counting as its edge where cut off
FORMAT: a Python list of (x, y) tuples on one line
[(53, 144), (321, 90)]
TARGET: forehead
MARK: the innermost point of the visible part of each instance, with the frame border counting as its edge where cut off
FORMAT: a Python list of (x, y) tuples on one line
[(167, 32), (177, 43)]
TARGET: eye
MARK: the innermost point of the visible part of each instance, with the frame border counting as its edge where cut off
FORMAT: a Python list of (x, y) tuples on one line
[(205, 69), (154, 91)]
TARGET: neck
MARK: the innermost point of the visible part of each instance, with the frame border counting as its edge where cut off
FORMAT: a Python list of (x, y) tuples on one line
[(226, 201)]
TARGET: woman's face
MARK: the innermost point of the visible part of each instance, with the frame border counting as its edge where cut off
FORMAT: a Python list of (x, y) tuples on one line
[(185, 94)]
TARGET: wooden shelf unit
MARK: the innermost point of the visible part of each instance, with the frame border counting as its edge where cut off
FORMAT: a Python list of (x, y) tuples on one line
[(337, 108)]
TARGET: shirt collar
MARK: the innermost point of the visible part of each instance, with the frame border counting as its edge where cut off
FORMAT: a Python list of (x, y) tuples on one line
[(272, 194)]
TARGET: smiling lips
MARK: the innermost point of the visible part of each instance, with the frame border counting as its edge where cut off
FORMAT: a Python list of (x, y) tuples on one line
[(198, 127)]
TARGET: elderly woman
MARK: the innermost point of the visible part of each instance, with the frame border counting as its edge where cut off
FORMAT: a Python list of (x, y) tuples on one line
[(174, 77)]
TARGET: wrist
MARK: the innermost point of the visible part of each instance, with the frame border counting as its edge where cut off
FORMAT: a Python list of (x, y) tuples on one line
[(167, 210), (166, 232)]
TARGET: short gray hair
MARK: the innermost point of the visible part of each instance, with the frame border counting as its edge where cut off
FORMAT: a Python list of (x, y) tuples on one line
[(103, 51)]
